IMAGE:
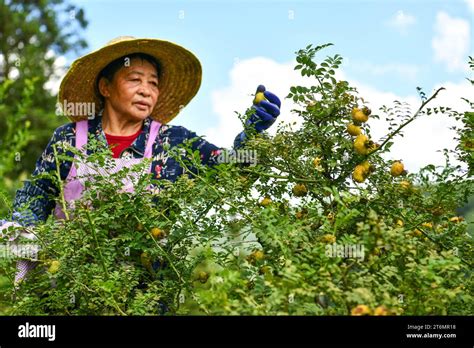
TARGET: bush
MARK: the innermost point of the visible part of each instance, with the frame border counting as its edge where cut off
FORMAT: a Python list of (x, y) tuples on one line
[(321, 225)]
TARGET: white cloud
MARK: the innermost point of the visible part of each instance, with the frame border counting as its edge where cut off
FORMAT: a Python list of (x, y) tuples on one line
[(422, 138), (401, 21), (451, 42), (405, 71), (470, 4), (245, 76)]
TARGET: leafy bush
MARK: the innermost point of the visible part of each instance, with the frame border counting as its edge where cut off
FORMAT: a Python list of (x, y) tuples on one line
[(321, 225)]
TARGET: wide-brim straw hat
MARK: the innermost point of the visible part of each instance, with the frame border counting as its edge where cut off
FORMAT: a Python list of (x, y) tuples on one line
[(180, 77)]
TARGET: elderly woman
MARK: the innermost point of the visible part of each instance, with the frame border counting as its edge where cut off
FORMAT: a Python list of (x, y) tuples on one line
[(138, 86)]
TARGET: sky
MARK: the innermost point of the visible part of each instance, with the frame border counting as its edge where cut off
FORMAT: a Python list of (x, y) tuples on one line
[(389, 47)]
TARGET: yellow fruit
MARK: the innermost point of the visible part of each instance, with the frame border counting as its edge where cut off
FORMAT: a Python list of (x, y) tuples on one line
[(329, 238), (360, 173), (353, 130), (259, 97), (202, 276), (399, 223), (381, 311), (256, 255), (301, 214), (361, 310), (417, 233), (158, 233), (299, 190), (427, 224), (358, 115), (145, 260), (265, 202), (54, 267), (317, 162), (456, 219), (330, 217), (406, 185), (362, 144), (397, 168)]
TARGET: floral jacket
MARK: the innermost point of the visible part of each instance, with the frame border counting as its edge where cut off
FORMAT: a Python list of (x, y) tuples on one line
[(36, 200)]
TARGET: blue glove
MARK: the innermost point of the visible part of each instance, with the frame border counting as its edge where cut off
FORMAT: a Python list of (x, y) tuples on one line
[(267, 108)]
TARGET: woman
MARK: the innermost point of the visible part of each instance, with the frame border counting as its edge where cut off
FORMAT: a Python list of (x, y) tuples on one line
[(138, 86)]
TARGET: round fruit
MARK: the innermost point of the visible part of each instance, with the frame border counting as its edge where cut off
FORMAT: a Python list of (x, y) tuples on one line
[(406, 185), (358, 115), (158, 233), (54, 267), (361, 144), (361, 310), (317, 162), (399, 223), (299, 190), (353, 130), (397, 168), (427, 225), (360, 173), (256, 255), (203, 277), (259, 97), (302, 213), (145, 260), (265, 202), (381, 311), (329, 238), (456, 219)]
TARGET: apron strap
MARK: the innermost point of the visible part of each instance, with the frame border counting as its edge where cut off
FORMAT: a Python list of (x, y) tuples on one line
[(82, 129), (81, 134), (154, 128)]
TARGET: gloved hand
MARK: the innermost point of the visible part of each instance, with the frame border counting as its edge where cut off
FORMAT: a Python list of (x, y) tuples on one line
[(267, 108)]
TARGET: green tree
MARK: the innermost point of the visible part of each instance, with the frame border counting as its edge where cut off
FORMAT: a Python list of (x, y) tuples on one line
[(32, 35)]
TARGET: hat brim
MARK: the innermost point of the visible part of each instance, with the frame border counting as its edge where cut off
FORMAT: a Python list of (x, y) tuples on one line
[(180, 77)]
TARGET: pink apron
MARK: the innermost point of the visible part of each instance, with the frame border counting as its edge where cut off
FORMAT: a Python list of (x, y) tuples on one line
[(75, 181)]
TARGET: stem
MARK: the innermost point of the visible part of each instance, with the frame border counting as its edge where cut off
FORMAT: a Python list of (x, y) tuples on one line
[(439, 244), (97, 242), (409, 121), (165, 254), (60, 182)]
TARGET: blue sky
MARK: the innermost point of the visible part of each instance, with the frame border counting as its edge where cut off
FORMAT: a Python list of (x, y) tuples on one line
[(389, 46)]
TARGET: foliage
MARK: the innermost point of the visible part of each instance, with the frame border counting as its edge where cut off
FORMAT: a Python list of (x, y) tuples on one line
[(33, 35), (298, 233)]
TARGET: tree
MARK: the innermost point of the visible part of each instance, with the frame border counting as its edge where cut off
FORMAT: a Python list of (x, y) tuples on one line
[(32, 35)]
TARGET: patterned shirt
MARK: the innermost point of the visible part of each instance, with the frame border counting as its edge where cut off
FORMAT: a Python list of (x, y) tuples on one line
[(36, 200)]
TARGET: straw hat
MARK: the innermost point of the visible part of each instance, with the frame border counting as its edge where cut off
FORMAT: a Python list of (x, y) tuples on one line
[(180, 78)]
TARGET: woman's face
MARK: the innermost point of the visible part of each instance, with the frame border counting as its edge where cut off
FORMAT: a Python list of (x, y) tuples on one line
[(133, 91)]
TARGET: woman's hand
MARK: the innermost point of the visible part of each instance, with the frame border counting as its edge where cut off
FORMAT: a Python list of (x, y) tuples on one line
[(267, 108)]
